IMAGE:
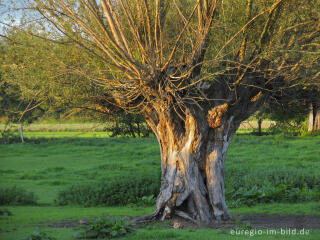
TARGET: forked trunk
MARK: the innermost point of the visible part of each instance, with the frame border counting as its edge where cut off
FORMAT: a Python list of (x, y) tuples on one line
[(193, 165)]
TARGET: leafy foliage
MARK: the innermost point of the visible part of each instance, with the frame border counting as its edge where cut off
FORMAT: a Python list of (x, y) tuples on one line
[(8, 135), (284, 184), (37, 76), (147, 201), (257, 186), (269, 194), (13, 101), (105, 227), (291, 176), (119, 191), (39, 235), (129, 125), (313, 133), (16, 196)]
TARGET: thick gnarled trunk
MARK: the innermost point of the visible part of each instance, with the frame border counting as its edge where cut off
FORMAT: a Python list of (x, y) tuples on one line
[(193, 164)]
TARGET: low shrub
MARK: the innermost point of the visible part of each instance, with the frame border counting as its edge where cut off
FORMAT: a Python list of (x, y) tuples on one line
[(39, 236), (284, 184), (16, 196), (117, 191), (8, 136), (312, 133), (104, 228), (289, 128), (269, 194), (293, 176), (242, 188)]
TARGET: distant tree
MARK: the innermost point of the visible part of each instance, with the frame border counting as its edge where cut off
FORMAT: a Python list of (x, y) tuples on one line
[(45, 71), (195, 70), (45, 75), (314, 115), (13, 107), (292, 107)]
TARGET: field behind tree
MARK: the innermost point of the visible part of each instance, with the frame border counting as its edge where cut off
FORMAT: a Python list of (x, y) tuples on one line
[(76, 126), (271, 174)]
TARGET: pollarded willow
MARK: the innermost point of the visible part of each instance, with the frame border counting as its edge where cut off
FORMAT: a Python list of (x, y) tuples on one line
[(195, 70)]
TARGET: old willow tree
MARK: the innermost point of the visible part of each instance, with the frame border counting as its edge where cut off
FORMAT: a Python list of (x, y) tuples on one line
[(195, 69)]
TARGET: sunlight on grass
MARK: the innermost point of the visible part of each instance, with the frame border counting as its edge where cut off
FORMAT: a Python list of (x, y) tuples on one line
[(51, 161)]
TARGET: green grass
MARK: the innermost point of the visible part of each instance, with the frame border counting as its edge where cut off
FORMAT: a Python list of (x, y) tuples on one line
[(49, 166), (307, 208), (53, 161)]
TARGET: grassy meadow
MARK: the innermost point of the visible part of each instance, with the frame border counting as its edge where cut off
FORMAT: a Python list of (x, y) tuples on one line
[(271, 174)]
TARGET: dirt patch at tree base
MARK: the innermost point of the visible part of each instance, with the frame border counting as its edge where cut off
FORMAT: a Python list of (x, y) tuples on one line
[(258, 221)]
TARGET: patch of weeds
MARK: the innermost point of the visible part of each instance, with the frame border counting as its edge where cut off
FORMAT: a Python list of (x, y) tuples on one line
[(16, 196), (245, 226), (39, 235), (297, 177), (147, 201), (117, 191), (312, 133), (269, 194), (104, 227)]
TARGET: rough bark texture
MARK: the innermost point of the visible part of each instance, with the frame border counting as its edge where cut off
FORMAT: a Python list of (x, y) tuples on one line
[(310, 118), (21, 133), (193, 153), (314, 117), (260, 127), (316, 123)]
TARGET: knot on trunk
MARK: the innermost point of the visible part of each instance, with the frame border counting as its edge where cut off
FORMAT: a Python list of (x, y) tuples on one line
[(215, 115)]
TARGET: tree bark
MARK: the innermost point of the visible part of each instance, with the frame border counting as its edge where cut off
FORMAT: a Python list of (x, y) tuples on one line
[(193, 154), (260, 127), (310, 118), (316, 123), (21, 133)]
